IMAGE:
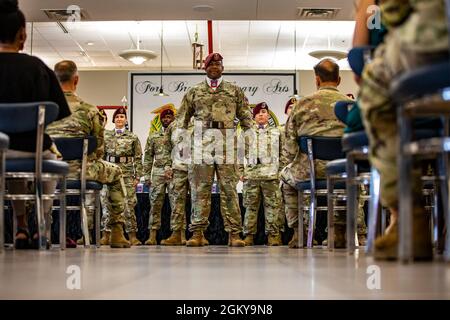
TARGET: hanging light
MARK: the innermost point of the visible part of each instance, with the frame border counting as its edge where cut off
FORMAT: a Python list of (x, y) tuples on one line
[(137, 56), (161, 91), (295, 95), (333, 54)]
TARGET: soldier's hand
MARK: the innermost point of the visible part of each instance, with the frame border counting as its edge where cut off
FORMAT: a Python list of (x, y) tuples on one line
[(168, 174), (135, 183), (242, 178)]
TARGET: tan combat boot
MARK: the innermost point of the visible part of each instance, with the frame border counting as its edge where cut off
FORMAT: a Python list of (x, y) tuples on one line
[(151, 239), (249, 240), (183, 237), (106, 237), (274, 240), (386, 246), (235, 241), (134, 241), (117, 238), (294, 241), (81, 240), (197, 240), (173, 240)]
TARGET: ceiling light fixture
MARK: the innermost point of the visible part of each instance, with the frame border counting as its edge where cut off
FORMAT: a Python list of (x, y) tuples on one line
[(161, 91), (203, 8), (138, 56), (334, 54)]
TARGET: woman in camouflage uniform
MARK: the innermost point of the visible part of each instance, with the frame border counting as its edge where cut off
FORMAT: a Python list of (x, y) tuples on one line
[(123, 148)]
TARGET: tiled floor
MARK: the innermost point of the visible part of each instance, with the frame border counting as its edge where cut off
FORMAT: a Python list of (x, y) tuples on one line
[(216, 273)]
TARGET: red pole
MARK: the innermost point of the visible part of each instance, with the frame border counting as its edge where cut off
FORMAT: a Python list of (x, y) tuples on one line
[(210, 37)]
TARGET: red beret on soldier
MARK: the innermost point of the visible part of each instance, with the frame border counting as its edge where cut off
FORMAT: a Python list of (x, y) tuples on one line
[(212, 57), (292, 102), (166, 112), (259, 107), (121, 110)]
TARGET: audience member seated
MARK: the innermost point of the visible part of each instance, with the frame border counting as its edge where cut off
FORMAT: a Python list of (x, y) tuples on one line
[(24, 78)]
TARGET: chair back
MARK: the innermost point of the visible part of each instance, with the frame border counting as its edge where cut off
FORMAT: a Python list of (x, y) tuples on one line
[(358, 57), (22, 117), (323, 148), (72, 148), (341, 109)]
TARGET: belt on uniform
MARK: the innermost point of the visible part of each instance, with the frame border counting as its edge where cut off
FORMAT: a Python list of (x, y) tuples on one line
[(214, 124), (115, 159)]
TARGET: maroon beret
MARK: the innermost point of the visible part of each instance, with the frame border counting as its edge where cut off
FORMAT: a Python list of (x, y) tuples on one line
[(212, 57), (259, 107), (166, 112), (121, 110), (290, 102)]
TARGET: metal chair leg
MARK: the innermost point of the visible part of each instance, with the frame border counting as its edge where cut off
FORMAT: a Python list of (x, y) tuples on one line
[(404, 167), (300, 219), (330, 221), (374, 208), (97, 218), (312, 218), (352, 203), (62, 214)]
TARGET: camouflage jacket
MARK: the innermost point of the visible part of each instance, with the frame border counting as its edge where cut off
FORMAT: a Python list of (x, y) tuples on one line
[(85, 120), (314, 116), (263, 149), (175, 144), (126, 144), (157, 155), (224, 104)]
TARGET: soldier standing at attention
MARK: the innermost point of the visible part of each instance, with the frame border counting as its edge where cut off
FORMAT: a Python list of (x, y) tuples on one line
[(261, 178), (123, 148), (157, 163), (179, 186), (314, 116), (87, 121), (214, 104)]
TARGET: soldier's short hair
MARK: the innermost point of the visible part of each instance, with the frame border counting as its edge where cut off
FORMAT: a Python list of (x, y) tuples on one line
[(327, 70), (65, 70)]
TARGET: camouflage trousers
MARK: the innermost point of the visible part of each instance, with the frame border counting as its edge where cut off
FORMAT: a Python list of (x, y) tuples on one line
[(178, 192), (269, 191), (110, 175), (201, 179), (290, 196), (380, 117), (157, 193), (129, 213)]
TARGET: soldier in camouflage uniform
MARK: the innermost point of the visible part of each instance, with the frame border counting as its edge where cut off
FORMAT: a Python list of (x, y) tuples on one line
[(214, 104), (283, 209), (178, 187), (417, 36), (261, 177), (312, 115), (86, 120), (157, 164), (123, 148)]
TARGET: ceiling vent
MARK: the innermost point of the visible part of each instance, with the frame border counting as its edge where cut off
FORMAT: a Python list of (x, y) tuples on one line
[(71, 14), (317, 13)]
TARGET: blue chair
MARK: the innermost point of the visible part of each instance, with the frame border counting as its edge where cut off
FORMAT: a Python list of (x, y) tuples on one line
[(4, 143), (316, 148), (79, 149), (26, 117), (424, 92), (358, 57)]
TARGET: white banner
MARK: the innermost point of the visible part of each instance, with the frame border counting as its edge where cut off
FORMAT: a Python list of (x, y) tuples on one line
[(272, 88)]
